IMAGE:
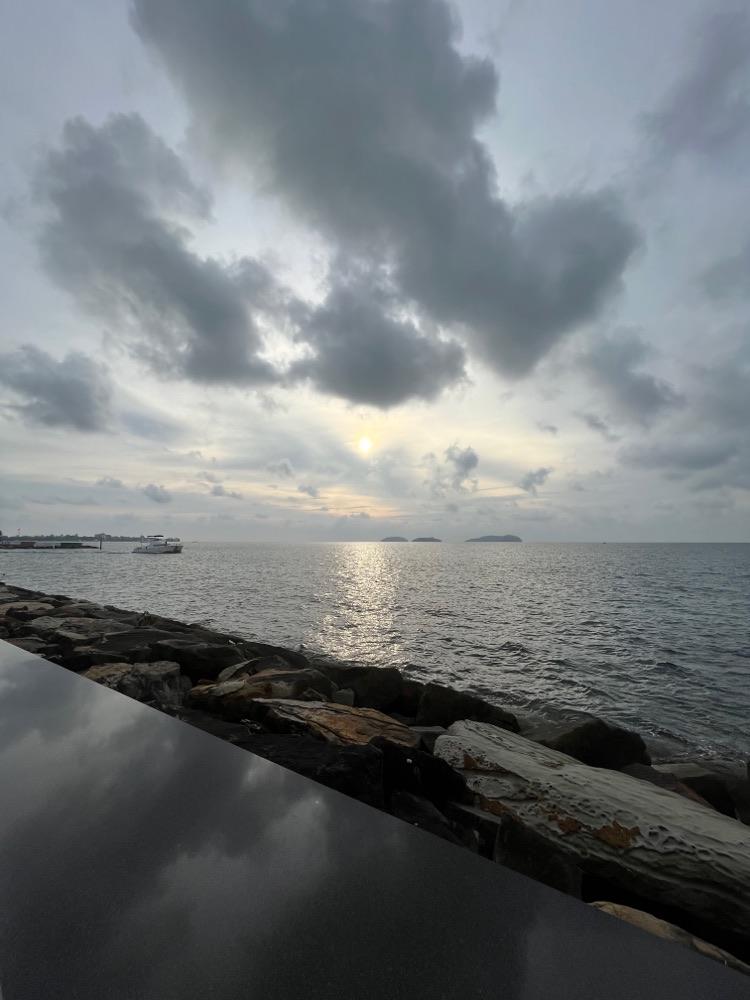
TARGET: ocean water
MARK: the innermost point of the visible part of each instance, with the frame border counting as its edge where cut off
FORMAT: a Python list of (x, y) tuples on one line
[(655, 637)]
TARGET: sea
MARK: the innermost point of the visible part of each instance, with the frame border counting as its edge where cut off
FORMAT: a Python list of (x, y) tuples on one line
[(655, 637)]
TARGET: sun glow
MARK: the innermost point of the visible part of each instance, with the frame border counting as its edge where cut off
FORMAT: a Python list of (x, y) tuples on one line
[(364, 445)]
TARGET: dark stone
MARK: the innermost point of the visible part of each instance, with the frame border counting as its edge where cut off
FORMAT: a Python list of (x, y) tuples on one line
[(599, 744), (252, 649), (83, 657), (442, 706), (422, 813), (198, 659), (525, 851), (31, 644), (420, 773), (428, 735), (373, 687), (137, 638), (159, 683), (713, 789), (408, 701)]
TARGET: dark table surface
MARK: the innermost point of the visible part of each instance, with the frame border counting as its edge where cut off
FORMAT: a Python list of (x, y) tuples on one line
[(141, 858)]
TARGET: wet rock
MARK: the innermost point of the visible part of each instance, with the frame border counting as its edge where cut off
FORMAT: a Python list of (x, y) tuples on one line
[(352, 770), (442, 706), (664, 780), (422, 813), (599, 744), (373, 687), (233, 698), (198, 660), (412, 770), (331, 722), (408, 701), (640, 838), (343, 696), (670, 932), (159, 683)]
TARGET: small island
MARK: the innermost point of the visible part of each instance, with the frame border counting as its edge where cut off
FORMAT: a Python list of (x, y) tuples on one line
[(427, 538), (495, 538), (394, 538)]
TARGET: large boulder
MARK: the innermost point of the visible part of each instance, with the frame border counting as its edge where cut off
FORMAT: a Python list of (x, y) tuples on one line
[(442, 706), (409, 769), (199, 660), (600, 744), (233, 698), (25, 610), (423, 814), (252, 649), (140, 638), (640, 838), (331, 721), (158, 683), (664, 780), (373, 687), (670, 932), (72, 632), (723, 783)]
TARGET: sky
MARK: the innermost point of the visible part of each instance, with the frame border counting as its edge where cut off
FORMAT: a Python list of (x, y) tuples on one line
[(296, 270)]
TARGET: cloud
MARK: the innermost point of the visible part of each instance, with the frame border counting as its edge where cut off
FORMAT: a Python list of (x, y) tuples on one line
[(729, 277), (365, 352), (463, 461), (218, 490), (548, 428), (157, 493), (534, 479), (690, 456), (75, 393), (281, 468), (707, 111), (312, 491), (612, 364), (116, 239), (363, 118), (595, 423), (111, 483)]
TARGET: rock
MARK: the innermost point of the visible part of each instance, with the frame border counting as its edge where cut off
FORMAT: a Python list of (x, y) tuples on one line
[(647, 773), (670, 932), (293, 657), (343, 696), (198, 659), (408, 701), (25, 610), (30, 644), (442, 706), (409, 769), (72, 631), (422, 813), (428, 735), (129, 639), (331, 722), (233, 698), (237, 670), (599, 744), (373, 687), (159, 682), (352, 770), (724, 784), (83, 657), (640, 838)]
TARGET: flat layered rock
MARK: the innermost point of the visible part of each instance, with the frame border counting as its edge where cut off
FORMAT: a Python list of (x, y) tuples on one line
[(333, 722), (640, 837), (232, 698)]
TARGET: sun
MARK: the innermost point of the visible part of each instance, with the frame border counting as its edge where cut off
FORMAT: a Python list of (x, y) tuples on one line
[(364, 445)]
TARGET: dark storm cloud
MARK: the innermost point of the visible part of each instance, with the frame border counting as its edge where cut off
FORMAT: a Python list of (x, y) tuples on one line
[(708, 109), (689, 456), (75, 392), (366, 353), (363, 119), (532, 480), (157, 493), (613, 363), (596, 423), (116, 240), (729, 277)]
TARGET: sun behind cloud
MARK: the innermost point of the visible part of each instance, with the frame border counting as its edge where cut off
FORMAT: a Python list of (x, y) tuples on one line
[(364, 445)]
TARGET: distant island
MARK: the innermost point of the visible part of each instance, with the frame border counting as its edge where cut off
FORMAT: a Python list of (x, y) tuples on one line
[(427, 538), (495, 538), (394, 538)]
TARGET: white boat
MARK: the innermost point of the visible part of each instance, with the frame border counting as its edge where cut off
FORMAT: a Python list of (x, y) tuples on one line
[(158, 545)]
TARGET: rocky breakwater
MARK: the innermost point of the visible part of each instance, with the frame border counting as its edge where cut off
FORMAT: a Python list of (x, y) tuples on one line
[(580, 809)]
